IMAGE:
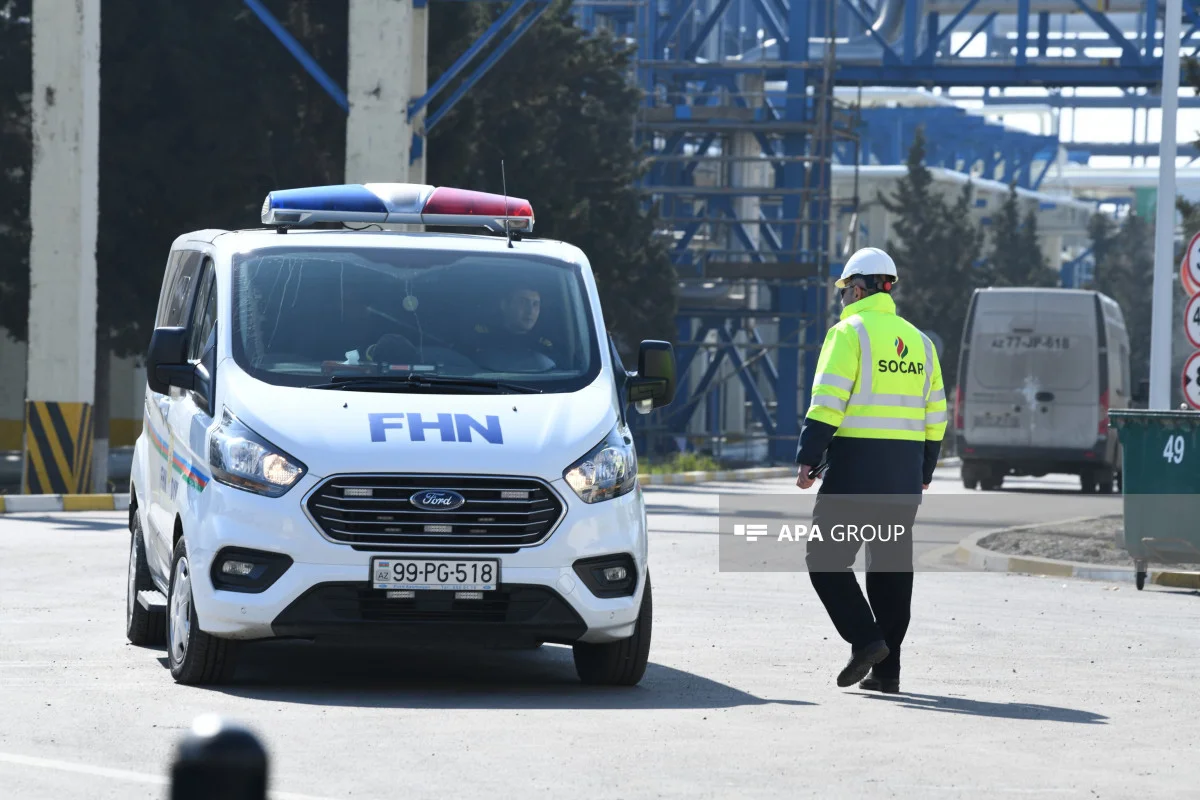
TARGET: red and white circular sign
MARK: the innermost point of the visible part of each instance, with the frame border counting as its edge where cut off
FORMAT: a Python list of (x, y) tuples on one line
[(1191, 381), (1191, 320), (1189, 270)]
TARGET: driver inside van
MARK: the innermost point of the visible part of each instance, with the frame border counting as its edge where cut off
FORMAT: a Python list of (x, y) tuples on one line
[(371, 333), (513, 345)]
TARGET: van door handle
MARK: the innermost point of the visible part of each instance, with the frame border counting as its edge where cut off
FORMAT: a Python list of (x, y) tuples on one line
[(1045, 397)]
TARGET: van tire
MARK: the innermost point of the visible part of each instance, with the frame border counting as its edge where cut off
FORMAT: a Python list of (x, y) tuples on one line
[(1088, 483), (1106, 486), (203, 658), (143, 627), (970, 475), (620, 663)]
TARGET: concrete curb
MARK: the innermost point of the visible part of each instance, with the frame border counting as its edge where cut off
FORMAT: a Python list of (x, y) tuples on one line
[(752, 474), (971, 555), (681, 478), (34, 503)]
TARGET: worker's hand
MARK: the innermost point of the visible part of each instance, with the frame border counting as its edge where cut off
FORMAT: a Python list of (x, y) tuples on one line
[(802, 479), (924, 486)]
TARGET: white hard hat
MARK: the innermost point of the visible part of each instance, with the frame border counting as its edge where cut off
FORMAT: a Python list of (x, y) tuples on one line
[(868, 261)]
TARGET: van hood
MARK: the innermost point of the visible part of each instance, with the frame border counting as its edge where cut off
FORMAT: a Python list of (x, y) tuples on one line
[(339, 432)]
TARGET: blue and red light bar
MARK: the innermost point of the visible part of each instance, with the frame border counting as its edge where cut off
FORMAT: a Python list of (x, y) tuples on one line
[(409, 203)]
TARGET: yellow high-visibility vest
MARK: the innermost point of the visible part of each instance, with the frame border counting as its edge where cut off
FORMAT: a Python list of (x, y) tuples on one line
[(878, 377)]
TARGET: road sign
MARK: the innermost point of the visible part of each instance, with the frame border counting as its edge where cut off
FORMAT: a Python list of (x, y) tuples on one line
[(1191, 320), (1191, 380), (1189, 270)]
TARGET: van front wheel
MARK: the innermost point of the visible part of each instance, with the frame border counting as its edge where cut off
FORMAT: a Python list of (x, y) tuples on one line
[(194, 656), (621, 663)]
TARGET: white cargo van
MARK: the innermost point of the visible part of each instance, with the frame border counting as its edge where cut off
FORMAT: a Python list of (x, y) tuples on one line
[(1038, 372)]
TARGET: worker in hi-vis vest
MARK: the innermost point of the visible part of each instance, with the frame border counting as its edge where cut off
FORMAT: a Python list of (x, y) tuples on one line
[(872, 434)]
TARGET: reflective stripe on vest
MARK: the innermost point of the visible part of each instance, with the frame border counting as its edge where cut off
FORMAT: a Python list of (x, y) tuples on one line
[(836, 381), (883, 424), (829, 401)]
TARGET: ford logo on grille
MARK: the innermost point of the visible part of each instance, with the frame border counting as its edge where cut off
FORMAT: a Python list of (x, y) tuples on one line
[(437, 500)]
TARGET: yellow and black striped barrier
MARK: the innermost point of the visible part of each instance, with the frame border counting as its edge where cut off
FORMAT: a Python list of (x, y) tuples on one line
[(58, 448)]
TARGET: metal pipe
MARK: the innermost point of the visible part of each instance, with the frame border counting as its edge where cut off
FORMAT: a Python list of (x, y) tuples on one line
[(1162, 316)]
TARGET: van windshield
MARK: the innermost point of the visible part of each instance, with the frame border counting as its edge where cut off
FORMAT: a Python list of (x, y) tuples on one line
[(307, 316)]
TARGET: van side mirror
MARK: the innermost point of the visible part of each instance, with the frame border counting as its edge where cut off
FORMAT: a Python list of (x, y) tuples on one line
[(166, 362), (1142, 393), (653, 386)]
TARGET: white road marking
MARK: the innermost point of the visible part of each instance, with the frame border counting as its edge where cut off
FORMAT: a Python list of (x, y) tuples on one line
[(116, 774)]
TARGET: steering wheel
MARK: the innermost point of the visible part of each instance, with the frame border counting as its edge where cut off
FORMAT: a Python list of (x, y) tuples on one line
[(524, 360), (415, 334)]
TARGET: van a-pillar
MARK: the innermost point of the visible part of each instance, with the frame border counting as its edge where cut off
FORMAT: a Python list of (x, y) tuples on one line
[(62, 255), (388, 42)]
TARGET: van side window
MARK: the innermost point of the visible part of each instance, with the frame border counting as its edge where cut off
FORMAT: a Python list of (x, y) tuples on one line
[(204, 318), (1125, 368), (164, 300), (180, 291)]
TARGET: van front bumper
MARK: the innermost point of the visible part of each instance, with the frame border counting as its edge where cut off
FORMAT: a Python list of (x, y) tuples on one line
[(326, 591), (513, 616)]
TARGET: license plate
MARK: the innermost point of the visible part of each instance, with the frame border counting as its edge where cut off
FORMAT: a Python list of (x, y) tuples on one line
[(997, 422), (435, 574)]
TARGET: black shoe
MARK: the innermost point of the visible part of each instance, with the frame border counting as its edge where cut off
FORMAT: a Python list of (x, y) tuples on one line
[(861, 661), (885, 685)]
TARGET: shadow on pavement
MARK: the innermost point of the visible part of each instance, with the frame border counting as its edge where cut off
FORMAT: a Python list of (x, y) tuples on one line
[(298, 672), (74, 521), (979, 708)]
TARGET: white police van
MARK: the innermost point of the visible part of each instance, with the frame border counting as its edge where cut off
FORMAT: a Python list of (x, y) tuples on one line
[(384, 437)]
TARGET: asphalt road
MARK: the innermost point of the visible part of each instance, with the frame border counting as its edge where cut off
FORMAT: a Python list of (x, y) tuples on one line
[(1015, 686)]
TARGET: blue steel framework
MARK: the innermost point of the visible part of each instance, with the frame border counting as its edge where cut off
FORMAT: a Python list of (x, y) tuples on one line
[(696, 59), (955, 140), (532, 10)]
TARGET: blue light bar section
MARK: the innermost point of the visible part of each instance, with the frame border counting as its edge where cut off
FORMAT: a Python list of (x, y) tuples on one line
[(354, 198)]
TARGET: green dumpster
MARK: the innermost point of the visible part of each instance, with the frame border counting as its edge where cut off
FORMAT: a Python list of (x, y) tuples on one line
[(1161, 486)]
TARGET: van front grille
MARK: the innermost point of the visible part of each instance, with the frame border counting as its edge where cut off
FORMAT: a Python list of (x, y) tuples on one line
[(496, 512)]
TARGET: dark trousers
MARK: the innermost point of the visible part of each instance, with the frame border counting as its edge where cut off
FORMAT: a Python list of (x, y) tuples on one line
[(885, 612)]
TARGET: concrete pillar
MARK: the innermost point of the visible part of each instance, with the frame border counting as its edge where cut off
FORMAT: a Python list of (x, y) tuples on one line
[(13, 355), (388, 43), (62, 254)]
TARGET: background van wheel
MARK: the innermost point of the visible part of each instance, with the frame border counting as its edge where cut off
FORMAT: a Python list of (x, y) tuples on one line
[(1088, 483), (621, 663), (142, 626), (992, 481), (970, 475), (195, 656)]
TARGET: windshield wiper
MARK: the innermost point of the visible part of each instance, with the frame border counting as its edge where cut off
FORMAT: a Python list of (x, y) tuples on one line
[(400, 383)]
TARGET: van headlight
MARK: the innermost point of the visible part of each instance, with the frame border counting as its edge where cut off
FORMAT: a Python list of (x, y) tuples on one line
[(241, 458), (609, 470)]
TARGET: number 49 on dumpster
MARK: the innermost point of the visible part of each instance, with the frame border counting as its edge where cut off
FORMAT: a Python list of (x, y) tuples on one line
[(1173, 452)]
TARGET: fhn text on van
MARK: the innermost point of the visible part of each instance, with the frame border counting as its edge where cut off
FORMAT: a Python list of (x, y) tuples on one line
[(450, 427), (835, 533)]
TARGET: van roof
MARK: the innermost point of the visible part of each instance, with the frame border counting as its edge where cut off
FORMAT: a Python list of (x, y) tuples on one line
[(254, 238), (1035, 290)]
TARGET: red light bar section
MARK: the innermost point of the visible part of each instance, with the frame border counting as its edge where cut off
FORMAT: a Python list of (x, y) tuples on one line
[(461, 202)]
